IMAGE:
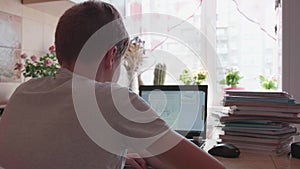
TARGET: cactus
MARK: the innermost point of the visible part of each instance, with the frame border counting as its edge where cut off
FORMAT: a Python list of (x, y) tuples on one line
[(159, 74)]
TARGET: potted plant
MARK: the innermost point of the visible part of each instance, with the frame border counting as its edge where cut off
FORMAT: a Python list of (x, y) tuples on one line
[(196, 78), (268, 83), (38, 67), (159, 74), (232, 78), (30, 67)]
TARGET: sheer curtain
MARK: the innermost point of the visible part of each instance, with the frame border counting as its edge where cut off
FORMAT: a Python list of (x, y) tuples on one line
[(233, 33), (186, 40), (246, 39), (261, 13)]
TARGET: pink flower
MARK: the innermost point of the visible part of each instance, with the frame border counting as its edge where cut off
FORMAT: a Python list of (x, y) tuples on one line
[(24, 56), (19, 66), (52, 48), (48, 62), (33, 58), (203, 72)]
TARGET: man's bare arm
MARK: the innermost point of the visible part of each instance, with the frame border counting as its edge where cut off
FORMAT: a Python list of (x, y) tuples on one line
[(183, 155)]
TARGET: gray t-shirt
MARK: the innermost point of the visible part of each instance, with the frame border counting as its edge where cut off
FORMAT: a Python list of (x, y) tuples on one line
[(40, 128)]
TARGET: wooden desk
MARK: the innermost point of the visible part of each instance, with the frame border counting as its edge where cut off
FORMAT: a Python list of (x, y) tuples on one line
[(257, 161), (253, 160), (249, 160)]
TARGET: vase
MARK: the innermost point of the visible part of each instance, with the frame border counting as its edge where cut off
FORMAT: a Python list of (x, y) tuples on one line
[(132, 81)]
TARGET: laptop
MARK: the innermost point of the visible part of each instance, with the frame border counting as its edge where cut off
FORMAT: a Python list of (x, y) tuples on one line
[(183, 107)]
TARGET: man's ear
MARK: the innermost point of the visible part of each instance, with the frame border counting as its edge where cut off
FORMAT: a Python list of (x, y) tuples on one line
[(110, 56)]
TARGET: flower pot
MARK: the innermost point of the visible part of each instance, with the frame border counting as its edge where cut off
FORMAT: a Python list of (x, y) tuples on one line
[(234, 88)]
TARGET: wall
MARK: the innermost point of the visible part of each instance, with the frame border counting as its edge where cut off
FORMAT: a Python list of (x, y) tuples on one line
[(37, 35), (37, 27), (290, 47), (291, 50)]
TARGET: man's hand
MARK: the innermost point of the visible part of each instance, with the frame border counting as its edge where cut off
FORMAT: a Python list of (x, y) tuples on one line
[(135, 161)]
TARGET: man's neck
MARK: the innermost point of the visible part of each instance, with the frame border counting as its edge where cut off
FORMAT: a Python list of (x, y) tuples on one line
[(86, 71)]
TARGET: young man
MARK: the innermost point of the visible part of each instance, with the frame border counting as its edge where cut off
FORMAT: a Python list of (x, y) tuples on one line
[(46, 122)]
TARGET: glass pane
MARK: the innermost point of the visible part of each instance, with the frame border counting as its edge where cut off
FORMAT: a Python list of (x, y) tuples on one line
[(164, 48), (240, 32), (246, 39)]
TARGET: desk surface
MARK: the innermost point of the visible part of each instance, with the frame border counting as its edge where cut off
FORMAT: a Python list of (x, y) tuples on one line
[(257, 161), (250, 160)]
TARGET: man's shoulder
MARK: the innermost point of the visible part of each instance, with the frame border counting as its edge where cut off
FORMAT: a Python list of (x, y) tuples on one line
[(109, 86), (31, 83), (45, 85), (116, 92)]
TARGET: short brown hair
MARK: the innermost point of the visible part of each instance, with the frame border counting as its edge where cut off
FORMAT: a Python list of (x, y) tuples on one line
[(80, 22)]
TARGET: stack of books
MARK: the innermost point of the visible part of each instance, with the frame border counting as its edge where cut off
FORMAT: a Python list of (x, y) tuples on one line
[(260, 121)]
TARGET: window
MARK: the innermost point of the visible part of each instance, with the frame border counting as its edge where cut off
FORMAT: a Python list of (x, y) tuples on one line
[(163, 47), (235, 33), (250, 38)]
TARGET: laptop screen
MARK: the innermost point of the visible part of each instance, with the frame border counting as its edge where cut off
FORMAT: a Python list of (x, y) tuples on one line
[(183, 107)]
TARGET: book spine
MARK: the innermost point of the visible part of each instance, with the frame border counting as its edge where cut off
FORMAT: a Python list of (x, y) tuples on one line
[(265, 113), (269, 109), (258, 99), (258, 104), (254, 139)]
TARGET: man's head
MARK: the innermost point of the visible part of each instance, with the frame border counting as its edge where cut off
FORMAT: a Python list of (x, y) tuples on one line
[(78, 24)]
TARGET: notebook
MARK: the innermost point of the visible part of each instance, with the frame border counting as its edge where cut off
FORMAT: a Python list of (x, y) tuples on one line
[(183, 107)]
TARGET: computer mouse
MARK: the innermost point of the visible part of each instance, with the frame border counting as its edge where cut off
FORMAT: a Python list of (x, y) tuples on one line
[(225, 150), (295, 150)]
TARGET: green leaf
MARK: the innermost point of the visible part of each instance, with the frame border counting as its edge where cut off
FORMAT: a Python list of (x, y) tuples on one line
[(262, 78)]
